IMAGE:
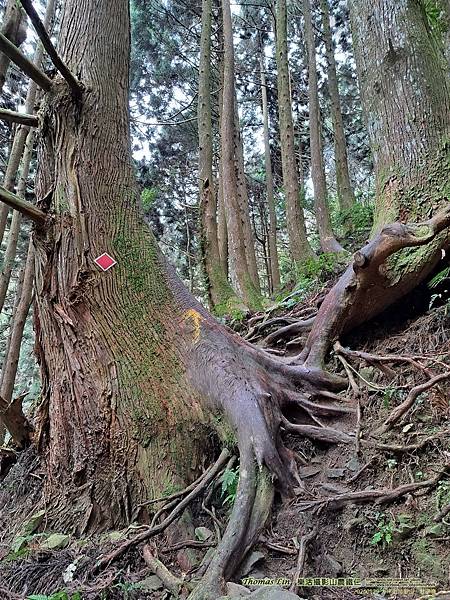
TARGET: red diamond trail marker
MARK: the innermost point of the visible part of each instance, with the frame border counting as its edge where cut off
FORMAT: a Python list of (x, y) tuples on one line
[(105, 261)]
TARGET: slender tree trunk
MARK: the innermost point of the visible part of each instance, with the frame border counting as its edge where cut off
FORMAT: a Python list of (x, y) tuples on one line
[(219, 290), (236, 234), (405, 91), (12, 417), (22, 130), (222, 230), (249, 238), (14, 27), (272, 234), (327, 240), (345, 193), (14, 230), (9, 370), (299, 247)]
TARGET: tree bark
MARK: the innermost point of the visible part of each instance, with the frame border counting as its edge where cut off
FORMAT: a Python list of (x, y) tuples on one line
[(249, 238), (219, 289), (345, 193), (222, 230), (299, 247), (328, 241), (272, 233), (236, 232), (405, 91), (14, 27)]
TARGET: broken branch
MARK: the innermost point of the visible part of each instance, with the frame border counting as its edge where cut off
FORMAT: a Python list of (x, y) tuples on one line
[(74, 84), (26, 208), (15, 117), (15, 421), (16, 56)]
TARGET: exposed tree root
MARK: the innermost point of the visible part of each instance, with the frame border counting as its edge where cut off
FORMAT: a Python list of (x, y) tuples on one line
[(376, 496), (152, 531), (284, 333), (303, 546), (170, 582), (368, 286), (321, 434), (403, 408), (397, 448), (251, 508)]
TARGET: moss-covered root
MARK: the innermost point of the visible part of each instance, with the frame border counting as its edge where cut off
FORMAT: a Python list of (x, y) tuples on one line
[(251, 509)]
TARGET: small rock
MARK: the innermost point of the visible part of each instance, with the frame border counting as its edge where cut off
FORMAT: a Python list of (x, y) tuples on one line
[(381, 570), (334, 488), (252, 559), (352, 523), (368, 373), (309, 471), (331, 565), (404, 528), (203, 533), (56, 541), (150, 584), (353, 464), (234, 590), (335, 473)]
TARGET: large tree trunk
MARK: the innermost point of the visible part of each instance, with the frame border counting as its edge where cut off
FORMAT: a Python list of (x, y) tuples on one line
[(273, 250), (136, 375), (236, 232), (327, 240), (345, 193), (218, 287), (405, 92), (299, 247)]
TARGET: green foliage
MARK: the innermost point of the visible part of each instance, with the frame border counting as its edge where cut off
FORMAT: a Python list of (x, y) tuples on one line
[(435, 16), (383, 534), (439, 278), (443, 494), (128, 588), (148, 197), (391, 463), (61, 595), (229, 481), (360, 216)]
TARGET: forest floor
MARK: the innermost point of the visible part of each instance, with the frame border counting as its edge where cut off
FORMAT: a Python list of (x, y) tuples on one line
[(375, 509)]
